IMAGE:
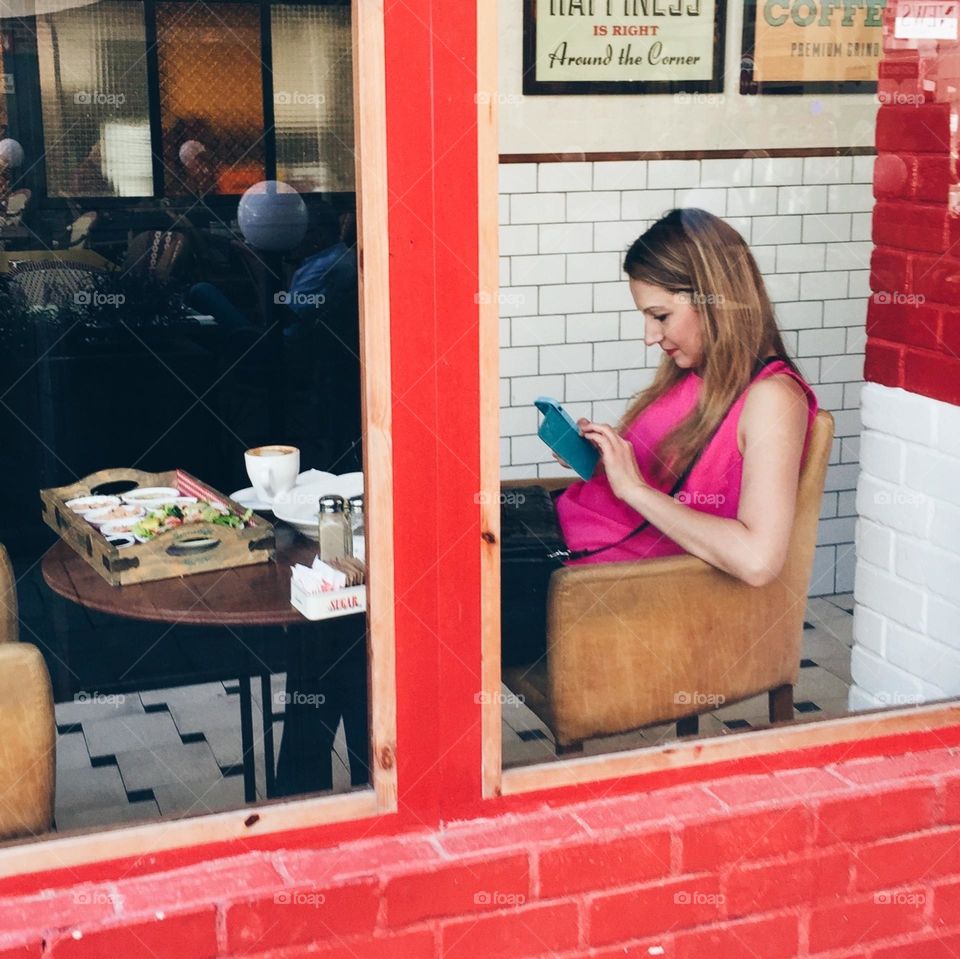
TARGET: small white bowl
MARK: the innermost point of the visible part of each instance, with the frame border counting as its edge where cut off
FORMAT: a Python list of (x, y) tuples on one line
[(119, 527), (86, 504), (122, 540), (149, 495), (124, 511)]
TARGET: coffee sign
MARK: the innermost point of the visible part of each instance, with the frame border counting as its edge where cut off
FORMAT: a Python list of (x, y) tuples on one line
[(810, 46), (622, 46)]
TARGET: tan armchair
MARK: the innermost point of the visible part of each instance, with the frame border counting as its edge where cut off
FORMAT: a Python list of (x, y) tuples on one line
[(654, 641), (27, 725)]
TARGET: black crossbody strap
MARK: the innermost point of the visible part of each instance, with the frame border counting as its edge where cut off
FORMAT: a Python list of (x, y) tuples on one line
[(565, 554)]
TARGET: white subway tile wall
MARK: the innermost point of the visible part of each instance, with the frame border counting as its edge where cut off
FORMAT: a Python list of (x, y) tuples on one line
[(569, 327), (907, 592)]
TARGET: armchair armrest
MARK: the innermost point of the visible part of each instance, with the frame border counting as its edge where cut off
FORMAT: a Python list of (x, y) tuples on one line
[(645, 642), (28, 756)]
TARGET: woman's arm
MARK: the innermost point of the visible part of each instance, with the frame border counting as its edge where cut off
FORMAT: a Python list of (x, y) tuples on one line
[(752, 547)]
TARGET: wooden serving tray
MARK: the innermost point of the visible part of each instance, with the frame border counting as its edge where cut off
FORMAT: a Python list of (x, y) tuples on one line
[(167, 555)]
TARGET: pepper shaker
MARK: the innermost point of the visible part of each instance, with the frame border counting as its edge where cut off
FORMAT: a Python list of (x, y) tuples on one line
[(333, 529)]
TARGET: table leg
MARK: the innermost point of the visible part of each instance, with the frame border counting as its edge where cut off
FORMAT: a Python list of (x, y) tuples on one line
[(246, 742), (266, 693)]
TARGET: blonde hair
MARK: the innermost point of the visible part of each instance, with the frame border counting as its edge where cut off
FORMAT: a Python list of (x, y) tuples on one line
[(694, 252)]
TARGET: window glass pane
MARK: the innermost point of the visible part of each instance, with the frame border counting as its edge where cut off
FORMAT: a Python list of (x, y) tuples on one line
[(313, 96), (93, 86), (211, 99)]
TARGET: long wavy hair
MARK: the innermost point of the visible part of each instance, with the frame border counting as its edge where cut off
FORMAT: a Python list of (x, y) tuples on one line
[(694, 252)]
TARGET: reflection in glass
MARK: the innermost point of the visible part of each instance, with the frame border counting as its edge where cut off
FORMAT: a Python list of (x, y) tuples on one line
[(211, 100), (93, 86), (313, 96)]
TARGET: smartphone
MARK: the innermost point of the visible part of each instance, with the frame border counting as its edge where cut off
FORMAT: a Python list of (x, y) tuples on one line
[(561, 434)]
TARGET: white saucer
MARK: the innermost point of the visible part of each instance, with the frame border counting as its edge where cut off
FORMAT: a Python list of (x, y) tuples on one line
[(248, 498)]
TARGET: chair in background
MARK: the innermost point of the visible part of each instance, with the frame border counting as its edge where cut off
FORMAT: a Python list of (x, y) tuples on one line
[(17, 203), (655, 641), (78, 233), (27, 724), (158, 256)]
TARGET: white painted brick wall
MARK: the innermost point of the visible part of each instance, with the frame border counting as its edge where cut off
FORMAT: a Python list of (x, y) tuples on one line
[(565, 228), (907, 587)]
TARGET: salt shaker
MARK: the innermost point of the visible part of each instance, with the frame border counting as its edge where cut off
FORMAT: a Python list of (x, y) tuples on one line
[(333, 530), (358, 527)]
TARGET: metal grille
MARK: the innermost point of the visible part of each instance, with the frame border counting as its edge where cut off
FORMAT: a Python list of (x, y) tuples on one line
[(313, 96), (93, 88), (211, 97)]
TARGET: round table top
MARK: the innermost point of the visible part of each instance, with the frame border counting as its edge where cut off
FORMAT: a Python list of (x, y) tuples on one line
[(243, 596)]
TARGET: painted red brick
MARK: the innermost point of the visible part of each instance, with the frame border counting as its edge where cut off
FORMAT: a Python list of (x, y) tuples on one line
[(912, 226), (604, 864), (188, 935), (931, 177), (302, 914), (936, 278), (323, 866), (884, 363), (208, 882), (933, 762), (882, 916), (532, 931), (946, 903), (763, 887), (931, 947), (758, 835), (510, 831), (28, 949), (889, 269), (912, 324), (654, 909), (893, 176), (932, 374), (793, 785), (951, 800), (914, 129), (420, 944), (893, 862), (876, 816), (85, 905), (949, 329), (453, 890), (774, 938), (638, 949), (640, 811)]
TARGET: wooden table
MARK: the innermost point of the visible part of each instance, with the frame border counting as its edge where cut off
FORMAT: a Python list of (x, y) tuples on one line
[(247, 596)]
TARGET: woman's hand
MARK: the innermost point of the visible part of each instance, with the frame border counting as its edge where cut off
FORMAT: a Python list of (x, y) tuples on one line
[(618, 458)]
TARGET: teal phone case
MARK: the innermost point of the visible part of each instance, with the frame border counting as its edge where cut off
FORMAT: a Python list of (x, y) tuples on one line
[(560, 433)]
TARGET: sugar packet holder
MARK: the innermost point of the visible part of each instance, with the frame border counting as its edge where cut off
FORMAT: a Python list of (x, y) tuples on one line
[(319, 592)]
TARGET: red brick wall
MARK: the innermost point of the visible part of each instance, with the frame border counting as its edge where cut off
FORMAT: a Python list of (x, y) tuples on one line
[(913, 320), (856, 860)]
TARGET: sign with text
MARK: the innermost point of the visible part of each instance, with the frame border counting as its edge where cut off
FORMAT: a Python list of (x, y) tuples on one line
[(622, 46), (811, 46)]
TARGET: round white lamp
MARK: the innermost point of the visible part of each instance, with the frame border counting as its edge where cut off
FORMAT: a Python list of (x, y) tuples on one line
[(11, 153), (272, 216)]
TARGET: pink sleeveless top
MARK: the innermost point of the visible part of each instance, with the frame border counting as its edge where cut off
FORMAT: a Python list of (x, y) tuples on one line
[(590, 514)]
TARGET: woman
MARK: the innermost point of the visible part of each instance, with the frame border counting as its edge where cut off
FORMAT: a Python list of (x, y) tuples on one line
[(703, 302)]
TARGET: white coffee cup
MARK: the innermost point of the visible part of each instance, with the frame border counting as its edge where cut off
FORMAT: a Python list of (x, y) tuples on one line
[(272, 470)]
